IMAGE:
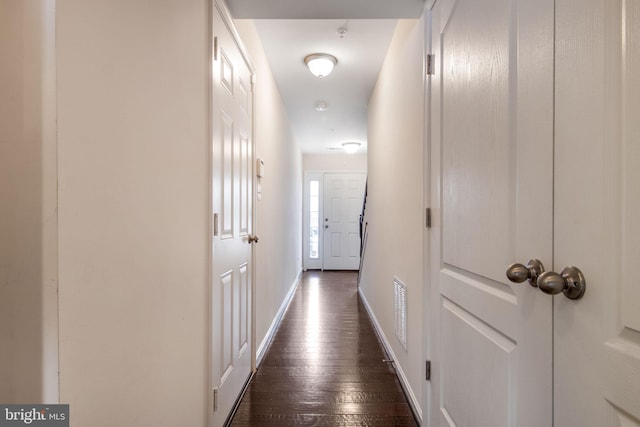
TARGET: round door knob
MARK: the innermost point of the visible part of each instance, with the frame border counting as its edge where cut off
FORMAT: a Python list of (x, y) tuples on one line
[(551, 283), (570, 282), (518, 273)]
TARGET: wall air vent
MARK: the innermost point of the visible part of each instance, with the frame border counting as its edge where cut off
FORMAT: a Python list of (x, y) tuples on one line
[(400, 311)]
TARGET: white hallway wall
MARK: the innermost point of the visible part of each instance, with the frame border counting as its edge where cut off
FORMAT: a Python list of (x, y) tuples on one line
[(395, 195), (279, 211), (133, 157), (335, 162), (28, 222)]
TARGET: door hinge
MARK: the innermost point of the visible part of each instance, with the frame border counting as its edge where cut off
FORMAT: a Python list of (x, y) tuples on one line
[(430, 65), (428, 218), (215, 224), (215, 48), (427, 370), (215, 399)]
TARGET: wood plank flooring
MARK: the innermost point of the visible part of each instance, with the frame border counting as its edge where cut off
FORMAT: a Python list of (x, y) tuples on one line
[(325, 365)]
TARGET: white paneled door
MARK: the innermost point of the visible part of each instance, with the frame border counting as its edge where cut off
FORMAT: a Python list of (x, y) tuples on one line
[(597, 212), (491, 179), (534, 149), (232, 196), (342, 206)]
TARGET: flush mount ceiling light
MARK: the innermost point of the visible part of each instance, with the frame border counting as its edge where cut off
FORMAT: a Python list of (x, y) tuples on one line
[(351, 147), (322, 106), (320, 64)]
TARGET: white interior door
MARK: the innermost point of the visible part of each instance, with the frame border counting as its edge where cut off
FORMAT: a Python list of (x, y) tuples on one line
[(597, 203), (343, 196), (491, 142), (232, 195)]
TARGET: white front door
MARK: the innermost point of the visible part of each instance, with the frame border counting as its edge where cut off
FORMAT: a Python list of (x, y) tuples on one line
[(232, 195), (491, 155), (597, 204), (343, 198)]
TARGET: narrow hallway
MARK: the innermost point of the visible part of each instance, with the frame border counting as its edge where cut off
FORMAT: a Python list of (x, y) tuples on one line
[(325, 365)]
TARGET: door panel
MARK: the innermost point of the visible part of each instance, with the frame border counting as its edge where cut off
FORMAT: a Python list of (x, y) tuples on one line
[(232, 196), (491, 342), (478, 179), (597, 338), (226, 347), (343, 194), (244, 313), (466, 371), (336, 244), (336, 207), (245, 183), (225, 163), (354, 245)]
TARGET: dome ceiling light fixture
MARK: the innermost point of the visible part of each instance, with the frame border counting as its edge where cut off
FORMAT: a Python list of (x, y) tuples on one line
[(322, 106), (320, 64), (351, 147)]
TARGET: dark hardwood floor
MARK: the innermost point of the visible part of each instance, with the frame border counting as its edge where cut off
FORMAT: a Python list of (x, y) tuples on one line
[(325, 365)]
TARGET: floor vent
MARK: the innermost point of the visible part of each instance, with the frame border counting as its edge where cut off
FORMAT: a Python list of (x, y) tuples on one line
[(400, 311)]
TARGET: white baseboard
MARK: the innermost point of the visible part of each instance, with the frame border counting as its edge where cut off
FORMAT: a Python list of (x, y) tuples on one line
[(415, 405), (264, 345)]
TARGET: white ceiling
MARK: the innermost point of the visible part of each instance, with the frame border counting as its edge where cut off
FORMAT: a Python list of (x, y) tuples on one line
[(325, 9), (303, 28)]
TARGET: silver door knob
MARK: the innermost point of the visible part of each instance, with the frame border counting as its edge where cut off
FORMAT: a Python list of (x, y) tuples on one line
[(518, 273), (570, 282), (252, 239)]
